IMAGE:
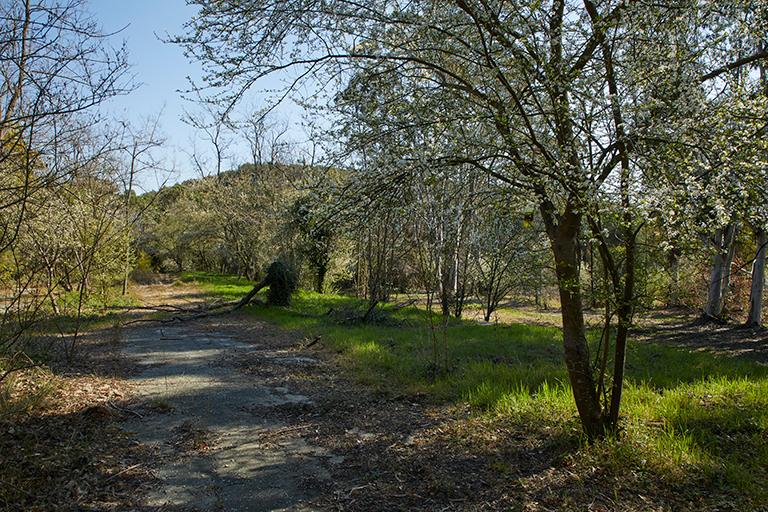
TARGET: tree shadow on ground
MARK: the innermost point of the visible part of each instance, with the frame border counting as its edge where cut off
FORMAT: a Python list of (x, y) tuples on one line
[(387, 452), (79, 460), (734, 341), (406, 453), (484, 463)]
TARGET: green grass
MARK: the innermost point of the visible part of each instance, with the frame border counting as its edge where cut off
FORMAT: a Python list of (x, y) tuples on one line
[(684, 413), (93, 315)]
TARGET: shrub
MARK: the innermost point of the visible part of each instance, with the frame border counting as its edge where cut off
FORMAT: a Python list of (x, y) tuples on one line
[(283, 281)]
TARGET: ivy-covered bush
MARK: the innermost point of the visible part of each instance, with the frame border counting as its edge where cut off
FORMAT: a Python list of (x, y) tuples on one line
[(283, 281)]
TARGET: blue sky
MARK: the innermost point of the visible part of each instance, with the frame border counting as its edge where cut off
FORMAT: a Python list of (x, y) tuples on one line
[(161, 70)]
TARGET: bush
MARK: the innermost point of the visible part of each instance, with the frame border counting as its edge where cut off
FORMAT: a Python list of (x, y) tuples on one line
[(283, 281)]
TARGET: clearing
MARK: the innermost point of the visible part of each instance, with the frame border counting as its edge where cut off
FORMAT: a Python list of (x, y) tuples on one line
[(297, 409)]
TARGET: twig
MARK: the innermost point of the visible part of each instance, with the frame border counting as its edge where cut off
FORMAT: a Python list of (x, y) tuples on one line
[(157, 307), (18, 369), (121, 472), (402, 305), (358, 488), (284, 430), (270, 435), (31, 364), (123, 409)]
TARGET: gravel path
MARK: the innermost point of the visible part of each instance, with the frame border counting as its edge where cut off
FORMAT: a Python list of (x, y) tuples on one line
[(206, 422)]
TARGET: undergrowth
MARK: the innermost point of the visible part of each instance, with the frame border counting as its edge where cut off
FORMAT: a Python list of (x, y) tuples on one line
[(56, 453)]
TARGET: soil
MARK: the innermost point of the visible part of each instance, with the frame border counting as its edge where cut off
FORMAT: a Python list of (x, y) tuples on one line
[(229, 413), (202, 419)]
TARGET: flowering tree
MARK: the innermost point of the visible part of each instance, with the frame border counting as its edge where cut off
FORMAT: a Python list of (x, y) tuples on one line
[(556, 95)]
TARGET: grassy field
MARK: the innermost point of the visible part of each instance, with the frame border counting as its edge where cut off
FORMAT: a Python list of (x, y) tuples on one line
[(692, 420)]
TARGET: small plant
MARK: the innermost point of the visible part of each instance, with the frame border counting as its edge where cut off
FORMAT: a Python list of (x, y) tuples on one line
[(160, 405), (23, 388)]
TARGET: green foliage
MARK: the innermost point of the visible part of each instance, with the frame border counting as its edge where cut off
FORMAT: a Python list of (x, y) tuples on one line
[(235, 222), (229, 287), (315, 238), (143, 262)]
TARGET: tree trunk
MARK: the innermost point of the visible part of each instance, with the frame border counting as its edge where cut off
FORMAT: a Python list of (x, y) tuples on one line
[(537, 290), (758, 267), (720, 275), (673, 291), (320, 281), (728, 264), (54, 304), (563, 237), (625, 312), (446, 278), (754, 318), (127, 260), (251, 294), (50, 290), (592, 295)]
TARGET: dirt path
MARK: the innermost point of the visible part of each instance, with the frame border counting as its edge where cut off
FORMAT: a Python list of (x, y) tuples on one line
[(203, 418), (230, 413), (241, 416)]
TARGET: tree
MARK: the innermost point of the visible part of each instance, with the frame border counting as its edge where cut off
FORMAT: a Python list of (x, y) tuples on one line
[(57, 67), (509, 254), (316, 237), (137, 146), (441, 207), (754, 317), (214, 128), (549, 88)]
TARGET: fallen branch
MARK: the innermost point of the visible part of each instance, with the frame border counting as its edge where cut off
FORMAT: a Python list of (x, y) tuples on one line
[(122, 471), (402, 305), (157, 307), (171, 308), (368, 312), (123, 409), (178, 318), (251, 294), (208, 310)]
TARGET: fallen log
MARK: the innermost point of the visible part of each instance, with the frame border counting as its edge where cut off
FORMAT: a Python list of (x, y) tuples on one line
[(280, 278), (251, 294)]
